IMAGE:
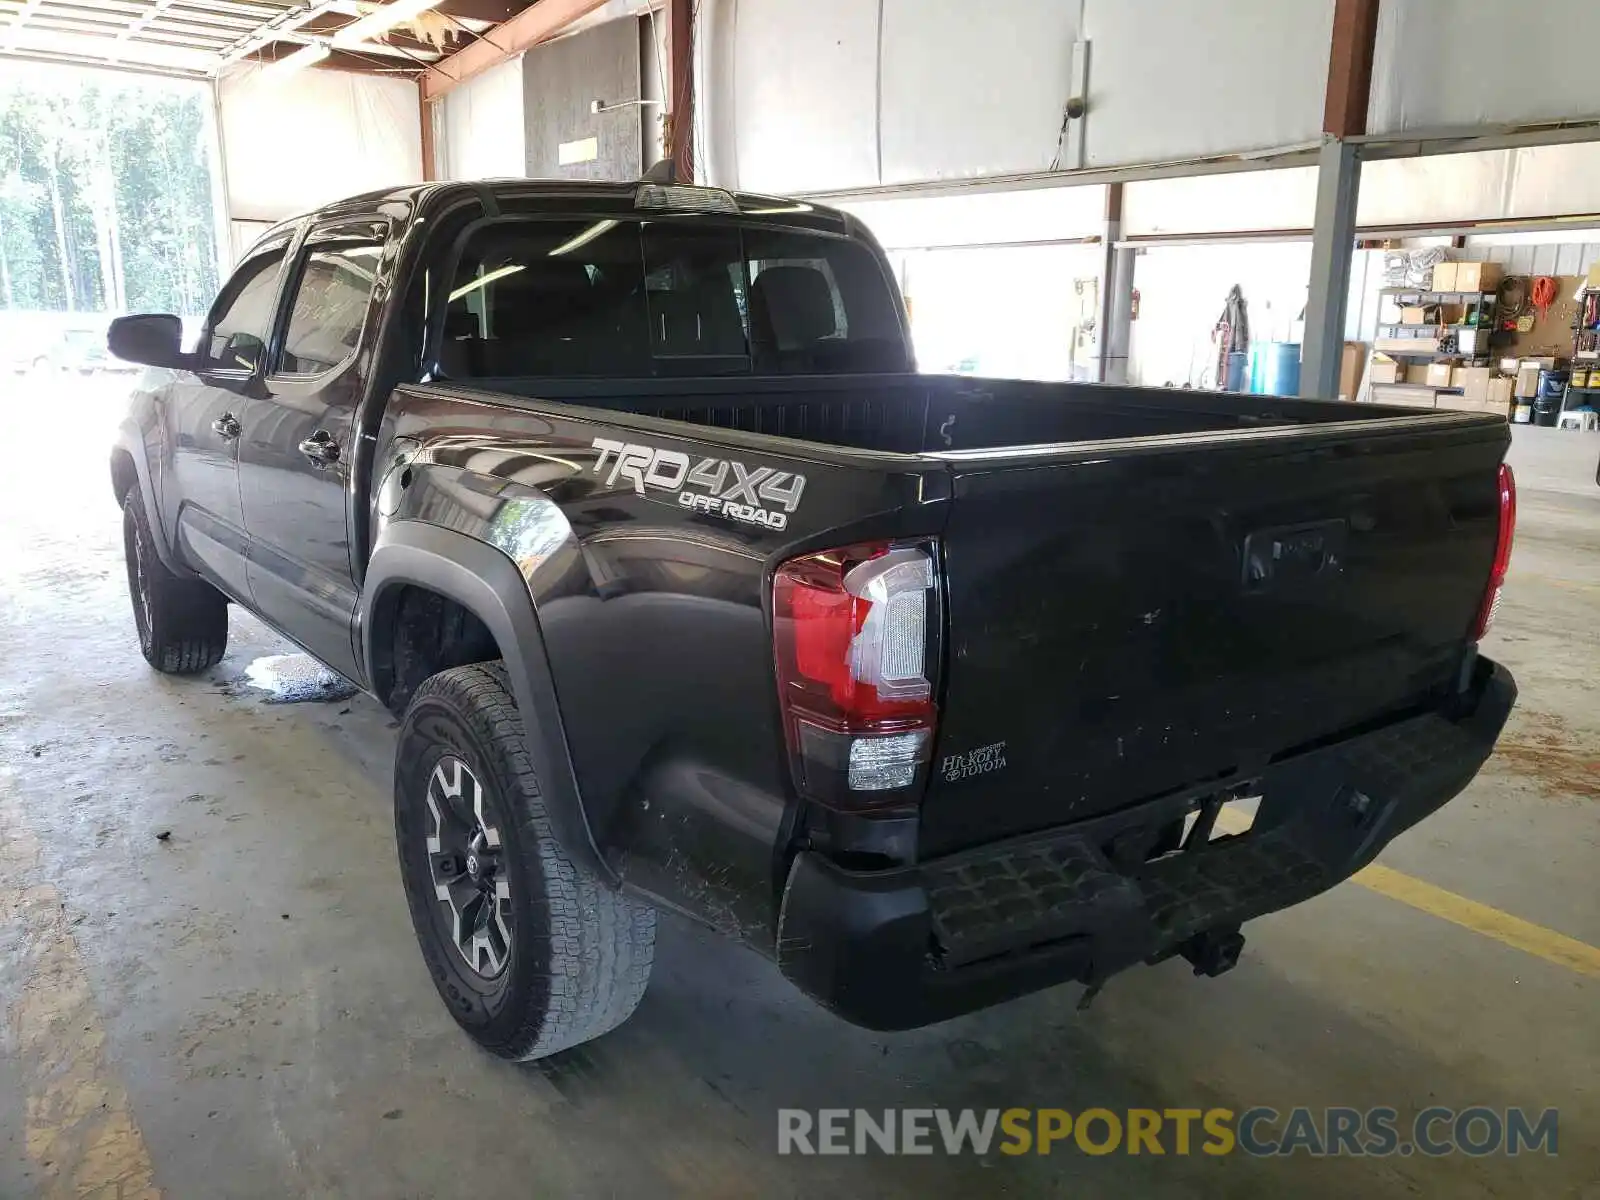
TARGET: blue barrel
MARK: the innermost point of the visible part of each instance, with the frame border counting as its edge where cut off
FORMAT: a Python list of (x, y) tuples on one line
[(1275, 368), (1238, 364)]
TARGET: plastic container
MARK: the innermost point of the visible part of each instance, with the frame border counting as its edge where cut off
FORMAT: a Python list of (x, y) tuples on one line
[(1275, 368), (1238, 365), (1547, 409)]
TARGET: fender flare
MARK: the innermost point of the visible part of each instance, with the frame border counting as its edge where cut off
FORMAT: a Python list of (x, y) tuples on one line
[(131, 442), (483, 580)]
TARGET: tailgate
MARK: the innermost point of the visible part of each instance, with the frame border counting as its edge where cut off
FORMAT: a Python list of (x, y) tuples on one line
[(1133, 618)]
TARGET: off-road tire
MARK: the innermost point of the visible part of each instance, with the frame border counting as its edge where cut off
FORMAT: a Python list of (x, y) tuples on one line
[(579, 952), (182, 623)]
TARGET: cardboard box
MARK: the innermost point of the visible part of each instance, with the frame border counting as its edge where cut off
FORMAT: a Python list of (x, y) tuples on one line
[(1458, 403), (1410, 397), (1592, 279), (1444, 277), (1472, 341), (1499, 392), (1417, 373), (1385, 370), (1476, 277), (1439, 374), (1419, 314), (1399, 345), (1351, 359), (1473, 382), (1508, 366)]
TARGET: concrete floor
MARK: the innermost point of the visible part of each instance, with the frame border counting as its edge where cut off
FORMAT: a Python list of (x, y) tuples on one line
[(239, 1010)]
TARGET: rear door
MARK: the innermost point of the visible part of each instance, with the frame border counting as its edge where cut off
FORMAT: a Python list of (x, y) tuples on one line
[(205, 409), (297, 443), (1145, 616)]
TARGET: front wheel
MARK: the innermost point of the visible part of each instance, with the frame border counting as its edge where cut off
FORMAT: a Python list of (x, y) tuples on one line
[(530, 952), (182, 623)]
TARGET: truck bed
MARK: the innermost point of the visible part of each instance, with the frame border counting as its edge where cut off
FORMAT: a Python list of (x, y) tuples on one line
[(916, 414), (1144, 590)]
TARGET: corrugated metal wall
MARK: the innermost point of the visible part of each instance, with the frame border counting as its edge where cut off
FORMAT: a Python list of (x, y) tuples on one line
[(1542, 258), (562, 81)]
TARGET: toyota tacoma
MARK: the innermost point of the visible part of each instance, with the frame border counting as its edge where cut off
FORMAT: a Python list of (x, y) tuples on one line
[(692, 594)]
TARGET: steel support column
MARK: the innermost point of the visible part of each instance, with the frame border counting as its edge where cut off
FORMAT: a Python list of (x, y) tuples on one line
[(1118, 335), (1344, 116), (680, 87), (1333, 241), (430, 151), (1116, 294)]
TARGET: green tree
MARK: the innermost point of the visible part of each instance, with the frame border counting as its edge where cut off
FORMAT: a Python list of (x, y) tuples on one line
[(105, 194)]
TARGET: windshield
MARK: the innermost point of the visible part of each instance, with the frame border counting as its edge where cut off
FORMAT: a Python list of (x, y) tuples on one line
[(627, 298)]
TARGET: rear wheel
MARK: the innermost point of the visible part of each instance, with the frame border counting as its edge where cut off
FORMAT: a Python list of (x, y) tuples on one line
[(182, 623), (531, 953)]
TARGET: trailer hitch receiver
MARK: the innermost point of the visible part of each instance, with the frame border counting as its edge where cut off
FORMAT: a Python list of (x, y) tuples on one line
[(1214, 952)]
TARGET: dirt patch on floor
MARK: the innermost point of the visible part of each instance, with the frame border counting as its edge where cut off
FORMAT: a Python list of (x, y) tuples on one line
[(1545, 751)]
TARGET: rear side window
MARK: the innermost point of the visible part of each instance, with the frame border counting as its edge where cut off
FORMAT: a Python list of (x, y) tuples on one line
[(243, 314), (330, 305), (621, 298)]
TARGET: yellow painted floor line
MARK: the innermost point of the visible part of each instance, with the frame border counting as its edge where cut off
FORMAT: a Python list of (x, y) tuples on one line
[(1512, 931), (79, 1130), (1523, 935)]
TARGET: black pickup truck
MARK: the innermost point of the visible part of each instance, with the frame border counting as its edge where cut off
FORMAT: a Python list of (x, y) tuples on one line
[(694, 595)]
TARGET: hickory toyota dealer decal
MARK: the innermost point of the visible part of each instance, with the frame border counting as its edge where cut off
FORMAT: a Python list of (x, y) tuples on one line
[(754, 495)]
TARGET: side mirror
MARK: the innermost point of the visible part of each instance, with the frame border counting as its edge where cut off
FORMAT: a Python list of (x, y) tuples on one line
[(155, 339)]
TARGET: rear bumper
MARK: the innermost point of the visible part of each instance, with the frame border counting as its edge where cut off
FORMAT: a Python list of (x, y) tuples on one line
[(902, 948)]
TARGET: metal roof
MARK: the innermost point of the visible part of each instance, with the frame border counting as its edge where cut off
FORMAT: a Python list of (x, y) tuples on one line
[(204, 37)]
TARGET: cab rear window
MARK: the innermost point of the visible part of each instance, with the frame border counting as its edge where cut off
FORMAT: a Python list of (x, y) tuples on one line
[(621, 298)]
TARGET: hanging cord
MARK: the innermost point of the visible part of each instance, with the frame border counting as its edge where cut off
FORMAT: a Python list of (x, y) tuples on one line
[(1544, 294), (1511, 301)]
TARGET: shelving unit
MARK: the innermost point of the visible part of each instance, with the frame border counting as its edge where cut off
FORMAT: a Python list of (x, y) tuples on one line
[(1585, 343), (1487, 304)]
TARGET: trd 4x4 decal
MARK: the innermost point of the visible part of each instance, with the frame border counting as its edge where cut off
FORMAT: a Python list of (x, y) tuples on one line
[(724, 486)]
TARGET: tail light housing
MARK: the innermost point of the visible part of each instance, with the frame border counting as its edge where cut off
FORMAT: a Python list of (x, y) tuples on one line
[(855, 634), (1490, 607)]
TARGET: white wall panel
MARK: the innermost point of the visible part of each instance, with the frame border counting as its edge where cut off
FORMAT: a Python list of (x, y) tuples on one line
[(1538, 181), (985, 218), (299, 141), (1229, 203), (973, 89), (1441, 63), (805, 83), (1172, 79), (1555, 180), (483, 126), (814, 95), (1442, 187)]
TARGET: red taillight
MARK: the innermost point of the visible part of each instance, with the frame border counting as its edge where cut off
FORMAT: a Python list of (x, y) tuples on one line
[(855, 634), (1502, 554)]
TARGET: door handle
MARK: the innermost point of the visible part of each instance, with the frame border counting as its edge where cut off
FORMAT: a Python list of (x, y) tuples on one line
[(321, 449), (226, 426)]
